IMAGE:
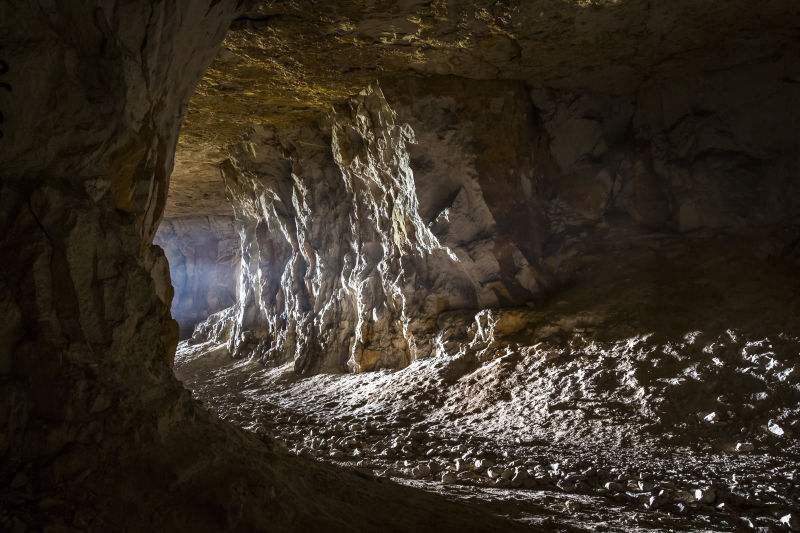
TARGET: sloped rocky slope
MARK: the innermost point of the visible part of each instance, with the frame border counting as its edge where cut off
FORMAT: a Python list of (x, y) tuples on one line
[(641, 398)]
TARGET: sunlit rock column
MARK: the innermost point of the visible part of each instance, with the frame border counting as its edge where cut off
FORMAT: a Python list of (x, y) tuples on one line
[(395, 266), (339, 266)]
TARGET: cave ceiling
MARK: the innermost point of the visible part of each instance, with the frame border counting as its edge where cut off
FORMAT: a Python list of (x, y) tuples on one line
[(286, 62)]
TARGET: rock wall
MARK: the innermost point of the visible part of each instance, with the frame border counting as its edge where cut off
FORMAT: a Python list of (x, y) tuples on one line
[(355, 240), (86, 351), (203, 254), (340, 265), (466, 195)]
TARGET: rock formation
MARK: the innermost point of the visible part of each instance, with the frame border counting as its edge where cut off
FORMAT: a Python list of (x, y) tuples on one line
[(87, 295), (360, 231), (344, 262), (93, 419), (408, 180)]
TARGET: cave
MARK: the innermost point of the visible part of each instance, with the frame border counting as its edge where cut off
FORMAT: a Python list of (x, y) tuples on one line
[(423, 265)]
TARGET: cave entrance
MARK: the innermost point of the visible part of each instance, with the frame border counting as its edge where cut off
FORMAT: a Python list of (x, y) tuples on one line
[(204, 260)]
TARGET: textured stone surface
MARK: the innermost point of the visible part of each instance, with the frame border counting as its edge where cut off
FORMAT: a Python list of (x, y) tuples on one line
[(633, 384), (288, 62), (203, 254), (339, 263), (89, 349), (524, 135), (96, 432), (460, 194), (521, 148)]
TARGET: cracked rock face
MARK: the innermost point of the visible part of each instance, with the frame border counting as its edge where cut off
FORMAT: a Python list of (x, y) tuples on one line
[(510, 149), (87, 294), (93, 420), (515, 146)]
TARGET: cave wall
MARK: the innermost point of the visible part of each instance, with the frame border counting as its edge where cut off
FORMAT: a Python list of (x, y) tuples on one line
[(340, 265), (365, 230), (91, 123), (453, 194), (203, 254), (96, 434)]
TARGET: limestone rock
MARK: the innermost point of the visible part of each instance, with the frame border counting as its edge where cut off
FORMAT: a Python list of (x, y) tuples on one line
[(339, 264), (89, 407), (397, 212)]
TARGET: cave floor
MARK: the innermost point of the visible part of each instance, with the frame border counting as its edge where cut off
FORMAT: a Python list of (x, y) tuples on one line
[(477, 432)]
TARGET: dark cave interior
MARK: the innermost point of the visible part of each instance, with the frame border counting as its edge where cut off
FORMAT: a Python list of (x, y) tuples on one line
[(428, 265)]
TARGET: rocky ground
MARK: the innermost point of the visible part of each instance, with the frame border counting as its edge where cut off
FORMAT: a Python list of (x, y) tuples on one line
[(604, 423), (393, 424)]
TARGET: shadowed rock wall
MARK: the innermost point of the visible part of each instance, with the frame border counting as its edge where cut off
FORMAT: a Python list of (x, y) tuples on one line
[(88, 346)]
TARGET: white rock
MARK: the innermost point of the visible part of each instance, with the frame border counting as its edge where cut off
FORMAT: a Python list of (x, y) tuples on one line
[(708, 495), (483, 464), (494, 472), (792, 521), (775, 429)]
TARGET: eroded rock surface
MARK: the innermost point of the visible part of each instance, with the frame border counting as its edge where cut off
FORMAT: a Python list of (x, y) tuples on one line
[(640, 153), (339, 264), (603, 411), (287, 62), (515, 146)]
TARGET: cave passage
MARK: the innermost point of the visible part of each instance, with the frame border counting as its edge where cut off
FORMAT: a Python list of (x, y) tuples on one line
[(541, 298), (463, 265), (204, 262)]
